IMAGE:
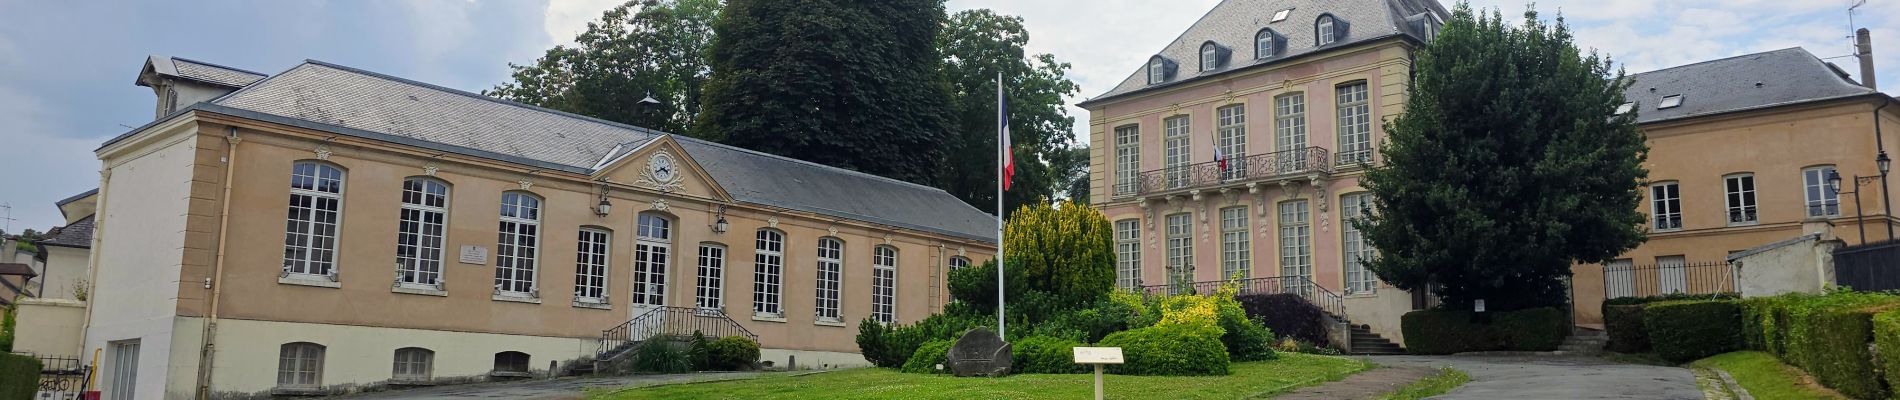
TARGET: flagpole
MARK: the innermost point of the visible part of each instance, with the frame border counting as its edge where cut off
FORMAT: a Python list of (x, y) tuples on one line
[(1001, 157)]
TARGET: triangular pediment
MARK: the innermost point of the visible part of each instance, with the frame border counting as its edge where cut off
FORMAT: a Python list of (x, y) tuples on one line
[(660, 165)]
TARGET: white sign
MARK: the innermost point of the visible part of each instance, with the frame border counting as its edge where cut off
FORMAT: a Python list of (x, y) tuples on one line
[(1479, 306), (472, 254), (1098, 355)]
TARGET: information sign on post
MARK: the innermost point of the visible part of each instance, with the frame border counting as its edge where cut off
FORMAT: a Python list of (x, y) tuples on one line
[(1098, 356)]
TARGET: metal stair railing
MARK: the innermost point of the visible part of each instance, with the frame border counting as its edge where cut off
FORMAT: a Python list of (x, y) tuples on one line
[(1304, 287), (677, 322)]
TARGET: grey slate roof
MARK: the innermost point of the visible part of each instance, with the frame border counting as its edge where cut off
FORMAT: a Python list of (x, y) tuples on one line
[(1233, 23), (355, 102), (76, 234), (203, 71), (76, 197), (1787, 76)]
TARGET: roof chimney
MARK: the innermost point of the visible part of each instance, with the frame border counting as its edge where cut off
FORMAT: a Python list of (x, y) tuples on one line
[(1864, 48)]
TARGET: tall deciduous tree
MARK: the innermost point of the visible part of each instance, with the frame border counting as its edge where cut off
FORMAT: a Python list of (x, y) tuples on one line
[(1508, 166), (638, 49), (849, 83), (977, 45)]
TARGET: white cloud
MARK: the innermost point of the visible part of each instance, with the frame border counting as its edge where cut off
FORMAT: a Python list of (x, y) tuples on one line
[(566, 18)]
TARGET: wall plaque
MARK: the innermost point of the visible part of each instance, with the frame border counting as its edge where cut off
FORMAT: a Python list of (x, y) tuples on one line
[(472, 254)]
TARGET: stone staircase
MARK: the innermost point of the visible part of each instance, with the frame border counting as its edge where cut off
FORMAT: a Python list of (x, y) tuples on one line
[(1584, 341), (1364, 342)]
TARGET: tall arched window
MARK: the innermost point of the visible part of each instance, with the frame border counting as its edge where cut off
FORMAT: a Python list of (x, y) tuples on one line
[(518, 245), (884, 284), (1328, 30), (1264, 43), (414, 364), (590, 265), (830, 278), (768, 273), (425, 206), (316, 212), (711, 286), (959, 262), (300, 365), (1157, 70), (651, 251), (1210, 56)]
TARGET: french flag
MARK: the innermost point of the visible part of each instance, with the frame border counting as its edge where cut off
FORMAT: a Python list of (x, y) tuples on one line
[(1218, 156)]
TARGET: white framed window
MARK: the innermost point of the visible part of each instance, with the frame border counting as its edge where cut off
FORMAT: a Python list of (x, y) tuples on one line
[(1281, 15), (1672, 274), (316, 211), (830, 279), (1176, 150), (419, 231), (1619, 279), (711, 286), (1157, 70), (300, 365), (1180, 236), (519, 245), (1263, 43), (959, 262), (1296, 243), (768, 272), (1670, 101), (1231, 136), (1128, 254), (1236, 248), (1289, 122), (1355, 251), (1821, 201), (590, 266), (1323, 30), (1210, 57), (1127, 159), (884, 284), (1665, 204), (1741, 198), (414, 364), (652, 253), (1355, 124)]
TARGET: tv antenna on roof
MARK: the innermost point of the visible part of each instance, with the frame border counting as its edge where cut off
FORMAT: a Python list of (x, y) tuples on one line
[(8, 207)]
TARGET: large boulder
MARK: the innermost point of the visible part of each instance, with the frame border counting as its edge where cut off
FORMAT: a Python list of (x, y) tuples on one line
[(979, 352)]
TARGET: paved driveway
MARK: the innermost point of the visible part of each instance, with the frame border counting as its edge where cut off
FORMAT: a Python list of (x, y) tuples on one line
[(545, 389), (1557, 377)]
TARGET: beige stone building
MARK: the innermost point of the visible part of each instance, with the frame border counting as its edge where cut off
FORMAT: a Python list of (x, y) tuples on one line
[(1740, 152), (327, 228), (1293, 95), (50, 322)]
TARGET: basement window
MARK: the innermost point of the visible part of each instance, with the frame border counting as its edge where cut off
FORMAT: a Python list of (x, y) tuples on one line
[(1670, 101)]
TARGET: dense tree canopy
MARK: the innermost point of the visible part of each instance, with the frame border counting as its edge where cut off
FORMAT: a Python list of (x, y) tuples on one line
[(639, 49), (977, 46), (1508, 166), (848, 83)]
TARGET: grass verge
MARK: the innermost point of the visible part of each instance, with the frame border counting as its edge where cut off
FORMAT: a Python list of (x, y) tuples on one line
[(1766, 377), (1249, 379), (1446, 380)]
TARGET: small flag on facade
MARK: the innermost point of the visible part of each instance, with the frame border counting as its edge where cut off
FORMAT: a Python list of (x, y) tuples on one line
[(1218, 157)]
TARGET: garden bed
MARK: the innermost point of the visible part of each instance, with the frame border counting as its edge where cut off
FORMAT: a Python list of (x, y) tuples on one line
[(1767, 378)]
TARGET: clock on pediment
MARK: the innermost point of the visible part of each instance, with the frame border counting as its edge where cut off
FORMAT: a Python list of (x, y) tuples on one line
[(662, 173)]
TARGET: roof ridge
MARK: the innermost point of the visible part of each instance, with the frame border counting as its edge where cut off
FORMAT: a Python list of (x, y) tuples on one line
[(810, 163), (465, 93), (175, 58)]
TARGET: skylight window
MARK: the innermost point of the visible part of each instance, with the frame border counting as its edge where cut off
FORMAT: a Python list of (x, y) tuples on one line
[(1625, 108), (1670, 101), (1281, 15)]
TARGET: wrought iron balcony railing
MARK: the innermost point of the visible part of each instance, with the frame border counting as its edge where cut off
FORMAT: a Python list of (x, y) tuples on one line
[(1253, 168)]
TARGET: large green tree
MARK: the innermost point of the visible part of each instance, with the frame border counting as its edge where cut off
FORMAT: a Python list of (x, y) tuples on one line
[(849, 83), (638, 49), (977, 46), (1508, 166)]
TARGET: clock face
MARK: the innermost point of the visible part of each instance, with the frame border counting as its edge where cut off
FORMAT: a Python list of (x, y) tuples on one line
[(662, 167)]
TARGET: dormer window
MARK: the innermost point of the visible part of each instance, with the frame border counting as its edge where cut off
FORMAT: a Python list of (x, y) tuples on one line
[(1210, 57), (1160, 69), (1266, 43), (1328, 30), (1670, 101)]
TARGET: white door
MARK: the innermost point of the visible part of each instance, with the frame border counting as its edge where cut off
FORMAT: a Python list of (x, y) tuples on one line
[(125, 369), (1671, 274), (652, 253)]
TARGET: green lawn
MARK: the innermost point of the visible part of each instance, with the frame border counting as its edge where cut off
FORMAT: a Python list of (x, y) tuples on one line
[(1250, 379), (1766, 377), (1446, 380)]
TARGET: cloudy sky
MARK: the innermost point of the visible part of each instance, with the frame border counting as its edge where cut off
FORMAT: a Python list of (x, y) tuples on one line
[(67, 67)]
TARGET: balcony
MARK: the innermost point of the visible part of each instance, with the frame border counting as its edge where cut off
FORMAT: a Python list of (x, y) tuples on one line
[(1280, 165)]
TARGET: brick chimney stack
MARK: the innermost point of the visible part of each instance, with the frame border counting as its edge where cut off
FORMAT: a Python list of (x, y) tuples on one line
[(1864, 48)]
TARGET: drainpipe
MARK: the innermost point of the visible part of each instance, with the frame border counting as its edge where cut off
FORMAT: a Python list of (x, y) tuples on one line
[(208, 350), (1886, 200), (92, 259)]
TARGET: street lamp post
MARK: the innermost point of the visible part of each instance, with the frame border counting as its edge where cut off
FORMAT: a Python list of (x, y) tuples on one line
[(1886, 201), (1834, 185)]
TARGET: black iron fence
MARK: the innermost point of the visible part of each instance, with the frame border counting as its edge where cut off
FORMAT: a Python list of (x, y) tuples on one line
[(1319, 296), (60, 376), (668, 321), (1628, 280), (1868, 267)]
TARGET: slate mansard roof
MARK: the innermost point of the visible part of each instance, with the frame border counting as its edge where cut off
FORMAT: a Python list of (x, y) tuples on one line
[(354, 102), (77, 234), (1233, 24), (203, 71), (1785, 77)]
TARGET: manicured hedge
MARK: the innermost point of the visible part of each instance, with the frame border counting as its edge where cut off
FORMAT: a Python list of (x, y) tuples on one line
[(1630, 301), (1173, 350), (732, 353), (19, 376), (1287, 315), (1624, 325), (1887, 342), (1044, 355), (1447, 332), (1828, 336), (1683, 331), (928, 356)]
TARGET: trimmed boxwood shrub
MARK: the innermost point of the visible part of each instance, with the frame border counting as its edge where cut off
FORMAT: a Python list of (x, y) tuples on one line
[(927, 356), (1287, 315), (1887, 343), (1683, 331), (732, 353), (19, 376), (1834, 346), (1174, 350), (1445, 332), (1624, 325), (1044, 355)]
